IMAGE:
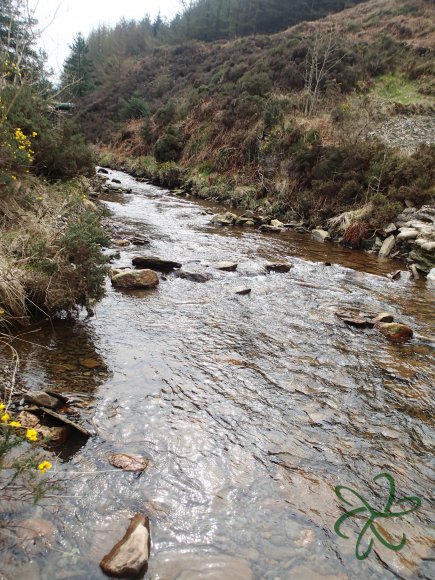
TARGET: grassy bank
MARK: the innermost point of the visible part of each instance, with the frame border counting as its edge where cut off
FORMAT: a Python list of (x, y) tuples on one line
[(50, 250)]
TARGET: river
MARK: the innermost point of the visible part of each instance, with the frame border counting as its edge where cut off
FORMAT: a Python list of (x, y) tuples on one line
[(251, 408)]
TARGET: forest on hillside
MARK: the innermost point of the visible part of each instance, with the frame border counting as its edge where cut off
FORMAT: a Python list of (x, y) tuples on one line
[(99, 58)]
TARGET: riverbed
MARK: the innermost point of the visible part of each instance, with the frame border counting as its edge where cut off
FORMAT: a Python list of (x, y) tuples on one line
[(250, 408)]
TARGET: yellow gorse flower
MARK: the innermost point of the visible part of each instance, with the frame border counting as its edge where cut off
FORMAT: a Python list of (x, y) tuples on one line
[(44, 466), (32, 435), (15, 424), (2, 406), (5, 417)]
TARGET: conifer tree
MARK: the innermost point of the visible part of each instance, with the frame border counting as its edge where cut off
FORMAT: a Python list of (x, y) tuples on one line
[(77, 69)]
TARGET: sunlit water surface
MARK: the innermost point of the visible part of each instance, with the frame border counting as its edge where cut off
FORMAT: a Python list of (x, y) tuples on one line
[(250, 408)]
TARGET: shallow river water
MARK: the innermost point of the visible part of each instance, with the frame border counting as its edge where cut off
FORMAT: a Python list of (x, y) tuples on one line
[(251, 409)]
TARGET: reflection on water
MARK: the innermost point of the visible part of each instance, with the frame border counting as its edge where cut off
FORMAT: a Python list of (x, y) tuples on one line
[(251, 408)]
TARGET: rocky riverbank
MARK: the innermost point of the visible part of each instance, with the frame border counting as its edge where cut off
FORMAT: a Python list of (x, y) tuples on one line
[(410, 237)]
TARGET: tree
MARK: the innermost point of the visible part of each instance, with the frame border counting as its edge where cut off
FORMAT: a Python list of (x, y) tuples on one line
[(18, 57), (322, 57), (77, 69)]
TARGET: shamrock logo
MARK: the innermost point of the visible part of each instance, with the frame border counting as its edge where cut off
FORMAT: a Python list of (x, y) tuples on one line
[(373, 515)]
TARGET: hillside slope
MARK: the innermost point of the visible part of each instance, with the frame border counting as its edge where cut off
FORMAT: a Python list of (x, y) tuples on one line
[(287, 123)]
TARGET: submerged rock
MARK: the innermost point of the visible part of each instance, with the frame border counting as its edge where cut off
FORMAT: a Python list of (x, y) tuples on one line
[(128, 462), (135, 279), (154, 263), (395, 331), (193, 276), (129, 557), (102, 170), (280, 267), (121, 243)]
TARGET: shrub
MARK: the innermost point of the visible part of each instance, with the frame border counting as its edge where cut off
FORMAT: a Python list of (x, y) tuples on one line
[(135, 107), (256, 83), (168, 147)]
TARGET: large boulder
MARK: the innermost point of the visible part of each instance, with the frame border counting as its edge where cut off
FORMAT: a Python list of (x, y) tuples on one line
[(154, 263), (395, 331), (129, 557), (135, 279)]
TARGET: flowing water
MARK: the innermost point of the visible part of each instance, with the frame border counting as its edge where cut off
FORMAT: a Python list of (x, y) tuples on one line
[(251, 408)]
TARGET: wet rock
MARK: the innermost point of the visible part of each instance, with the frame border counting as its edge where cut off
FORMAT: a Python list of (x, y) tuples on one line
[(356, 321), (42, 399), (129, 557), (395, 331), (33, 528), (387, 246), (116, 180), (226, 266), (224, 219), (389, 229), (128, 462), (327, 264), (193, 276), (320, 235), (121, 243), (383, 317), (102, 170), (139, 241), (395, 275), (280, 267), (242, 291), (277, 224), (90, 363), (270, 229), (154, 263), (202, 565), (135, 279), (115, 271)]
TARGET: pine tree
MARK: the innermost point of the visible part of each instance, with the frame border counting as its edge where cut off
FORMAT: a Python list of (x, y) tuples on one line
[(18, 58), (77, 69)]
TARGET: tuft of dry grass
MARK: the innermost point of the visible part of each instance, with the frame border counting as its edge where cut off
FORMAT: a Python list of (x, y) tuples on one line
[(342, 222)]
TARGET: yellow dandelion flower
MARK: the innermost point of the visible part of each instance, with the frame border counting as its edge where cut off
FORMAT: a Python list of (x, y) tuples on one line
[(32, 435), (44, 466), (5, 417), (15, 424)]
